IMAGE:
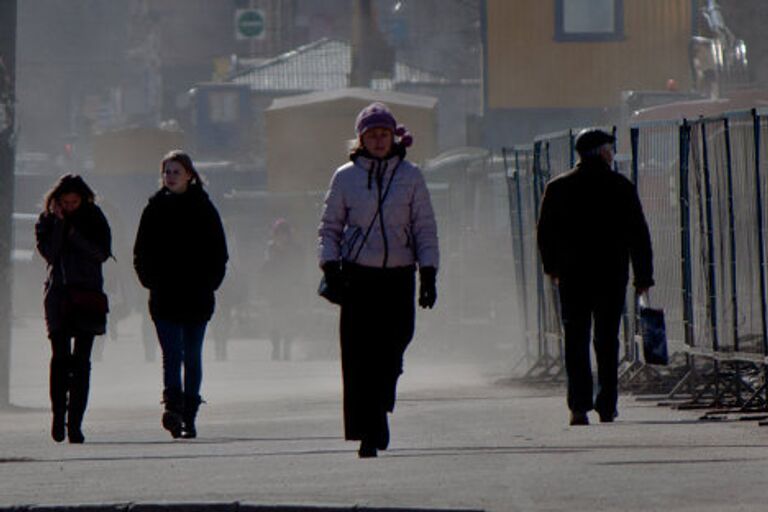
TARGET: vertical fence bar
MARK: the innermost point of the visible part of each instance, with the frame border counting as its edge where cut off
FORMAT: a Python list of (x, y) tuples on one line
[(520, 226), (685, 233), (760, 238), (634, 139), (731, 234), (518, 221), (711, 273), (537, 192)]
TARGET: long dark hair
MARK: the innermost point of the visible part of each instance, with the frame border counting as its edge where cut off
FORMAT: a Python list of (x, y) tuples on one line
[(68, 184), (185, 160)]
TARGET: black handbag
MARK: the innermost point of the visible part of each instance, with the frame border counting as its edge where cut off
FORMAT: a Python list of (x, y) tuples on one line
[(330, 293), (82, 301)]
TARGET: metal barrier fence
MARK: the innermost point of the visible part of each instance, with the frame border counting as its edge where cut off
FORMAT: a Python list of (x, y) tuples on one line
[(703, 185)]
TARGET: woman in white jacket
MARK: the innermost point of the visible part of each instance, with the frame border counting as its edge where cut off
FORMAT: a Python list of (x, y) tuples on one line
[(377, 227)]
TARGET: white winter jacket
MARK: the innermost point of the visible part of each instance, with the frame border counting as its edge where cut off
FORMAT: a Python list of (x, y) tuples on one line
[(409, 231)]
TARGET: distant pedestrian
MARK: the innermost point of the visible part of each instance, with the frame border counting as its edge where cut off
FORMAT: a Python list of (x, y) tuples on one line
[(591, 225), (180, 255), (74, 238), (377, 226), (284, 291)]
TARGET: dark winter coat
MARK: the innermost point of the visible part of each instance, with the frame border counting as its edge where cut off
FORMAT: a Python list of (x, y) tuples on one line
[(180, 255), (74, 249), (591, 225)]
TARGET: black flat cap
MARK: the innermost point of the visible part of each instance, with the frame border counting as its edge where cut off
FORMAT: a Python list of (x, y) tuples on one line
[(592, 138)]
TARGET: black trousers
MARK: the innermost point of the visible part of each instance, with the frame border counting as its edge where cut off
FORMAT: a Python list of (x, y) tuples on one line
[(377, 324), (70, 375), (581, 305)]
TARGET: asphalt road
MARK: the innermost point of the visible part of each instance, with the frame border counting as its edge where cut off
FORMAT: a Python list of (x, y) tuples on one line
[(270, 434)]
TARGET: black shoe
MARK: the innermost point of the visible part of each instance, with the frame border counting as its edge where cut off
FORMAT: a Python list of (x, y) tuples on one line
[(367, 450), (188, 431), (75, 435), (58, 428), (172, 423), (173, 403), (607, 417), (191, 406), (579, 418)]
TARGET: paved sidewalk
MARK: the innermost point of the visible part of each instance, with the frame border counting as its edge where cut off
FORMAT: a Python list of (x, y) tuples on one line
[(271, 435)]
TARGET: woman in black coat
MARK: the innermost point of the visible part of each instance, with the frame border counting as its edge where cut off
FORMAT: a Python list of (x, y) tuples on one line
[(180, 256), (74, 238)]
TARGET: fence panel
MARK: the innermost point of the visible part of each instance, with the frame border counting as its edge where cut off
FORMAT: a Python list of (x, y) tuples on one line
[(748, 254), (555, 157), (701, 242), (518, 162), (656, 154), (723, 304)]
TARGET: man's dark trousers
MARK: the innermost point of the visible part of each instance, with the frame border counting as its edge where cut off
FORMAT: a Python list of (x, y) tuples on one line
[(583, 304)]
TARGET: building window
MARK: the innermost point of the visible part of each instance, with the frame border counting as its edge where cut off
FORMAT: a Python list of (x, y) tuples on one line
[(589, 20)]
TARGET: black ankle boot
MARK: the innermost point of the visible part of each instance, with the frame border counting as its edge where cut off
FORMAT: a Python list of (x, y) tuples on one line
[(367, 449), (58, 388), (75, 435), (58, 427), (191, 406), (172, 420), (78, 400)]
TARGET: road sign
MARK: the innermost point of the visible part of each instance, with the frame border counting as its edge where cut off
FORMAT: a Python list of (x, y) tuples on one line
[(249, 24)]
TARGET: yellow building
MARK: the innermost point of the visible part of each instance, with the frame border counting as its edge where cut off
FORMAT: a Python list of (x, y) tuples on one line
[(551, 64), (307, 136)]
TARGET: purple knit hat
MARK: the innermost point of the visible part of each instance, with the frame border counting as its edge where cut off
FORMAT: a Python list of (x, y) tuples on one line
[(377, 115)]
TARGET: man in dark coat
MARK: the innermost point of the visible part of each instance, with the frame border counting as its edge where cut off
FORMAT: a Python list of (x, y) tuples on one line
[(591, 225)]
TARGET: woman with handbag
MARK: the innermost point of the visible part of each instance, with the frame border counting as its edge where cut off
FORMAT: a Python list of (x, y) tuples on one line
[(180, 256), (377, 226), (74, 238)]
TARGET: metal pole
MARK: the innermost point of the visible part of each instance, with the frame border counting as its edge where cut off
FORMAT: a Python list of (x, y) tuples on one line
[(731, 235), (7, 160), (543, 349), (685, 234), (522, 251), (760, 237), (634, 138), (711, 277)]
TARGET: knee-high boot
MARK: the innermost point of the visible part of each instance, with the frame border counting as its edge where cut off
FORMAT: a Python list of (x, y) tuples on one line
[(78, 400), (58, 387), (173, 402), (191, 406)]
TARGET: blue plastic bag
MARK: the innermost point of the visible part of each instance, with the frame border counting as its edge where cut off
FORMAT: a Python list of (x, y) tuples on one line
[(654, 333)]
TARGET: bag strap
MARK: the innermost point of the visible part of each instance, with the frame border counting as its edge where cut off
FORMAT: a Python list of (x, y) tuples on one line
[(378, 212)]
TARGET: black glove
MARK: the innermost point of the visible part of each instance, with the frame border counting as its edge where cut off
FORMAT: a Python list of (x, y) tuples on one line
[(332, 272), (333, 287), (427, 288)]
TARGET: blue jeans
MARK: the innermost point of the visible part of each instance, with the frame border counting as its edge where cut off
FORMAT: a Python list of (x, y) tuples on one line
[(182, 343)]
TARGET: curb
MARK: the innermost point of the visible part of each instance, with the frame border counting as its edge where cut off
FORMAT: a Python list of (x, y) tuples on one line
[(216, 507)]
